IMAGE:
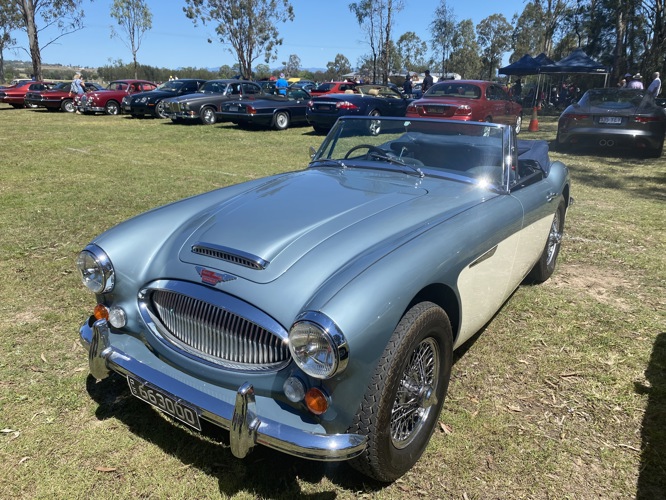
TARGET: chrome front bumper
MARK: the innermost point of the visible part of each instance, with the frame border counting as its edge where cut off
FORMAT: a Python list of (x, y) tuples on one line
[(246, 428)]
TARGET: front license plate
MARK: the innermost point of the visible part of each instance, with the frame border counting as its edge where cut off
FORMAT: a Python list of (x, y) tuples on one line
[(613, 120), (164, 402)]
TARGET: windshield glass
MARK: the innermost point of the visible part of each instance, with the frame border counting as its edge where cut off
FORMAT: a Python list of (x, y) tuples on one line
[(213, 87), (470, 150), (171, 86)]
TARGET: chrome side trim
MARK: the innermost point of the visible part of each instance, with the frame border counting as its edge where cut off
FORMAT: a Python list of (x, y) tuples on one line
[(485, 256), (249, 429)]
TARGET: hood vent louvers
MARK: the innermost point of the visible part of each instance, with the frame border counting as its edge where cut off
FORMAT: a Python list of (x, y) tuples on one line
[(230, 255)]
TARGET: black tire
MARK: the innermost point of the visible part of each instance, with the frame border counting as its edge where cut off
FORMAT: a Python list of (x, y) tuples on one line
[(544, 267), (207, 115), (401, 406), (281, 120), (159, 110), (655, 152), (112, 108), (68, 106)]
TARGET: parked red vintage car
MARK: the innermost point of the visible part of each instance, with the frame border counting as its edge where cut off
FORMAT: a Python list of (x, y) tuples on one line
[(58, 97), (332, 88), (468, 100), (15, 94), (108, 100)]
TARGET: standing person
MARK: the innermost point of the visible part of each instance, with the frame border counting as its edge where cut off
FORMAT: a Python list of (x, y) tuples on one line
[(407, 86), (427, 81), (655, 86), (518, 88), (77, 90), (282, 85), (636, 82)]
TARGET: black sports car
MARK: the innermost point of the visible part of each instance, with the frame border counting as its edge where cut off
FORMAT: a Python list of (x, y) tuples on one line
[(368, 100), (151, 103), (613, 117), (276, 111)]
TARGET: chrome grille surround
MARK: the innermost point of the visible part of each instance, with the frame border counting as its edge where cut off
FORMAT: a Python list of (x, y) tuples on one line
[(213, 327), (229, 255)]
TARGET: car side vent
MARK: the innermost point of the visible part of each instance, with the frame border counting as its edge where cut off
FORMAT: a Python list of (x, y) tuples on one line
[(230, 255)]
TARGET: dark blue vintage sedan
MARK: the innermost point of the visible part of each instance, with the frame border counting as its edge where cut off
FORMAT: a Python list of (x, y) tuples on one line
[(273, 111), (368, 100), (316, 311)]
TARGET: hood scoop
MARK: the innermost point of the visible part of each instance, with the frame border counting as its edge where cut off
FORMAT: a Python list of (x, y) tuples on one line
[(229, 255)]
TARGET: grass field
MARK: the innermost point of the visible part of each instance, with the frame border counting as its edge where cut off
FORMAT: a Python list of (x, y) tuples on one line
[(562, 396)]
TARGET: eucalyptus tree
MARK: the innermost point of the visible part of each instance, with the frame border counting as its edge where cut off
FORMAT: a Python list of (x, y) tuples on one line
[(464, 58), (412, 51), (65, 16), (338, 67), (293, 65), (376, 19), (494, 38), (134, 18), (442, 29), (9, 21), (249, 26)]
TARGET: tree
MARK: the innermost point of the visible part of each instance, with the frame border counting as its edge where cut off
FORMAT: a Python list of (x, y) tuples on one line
[(442, 29), (38, 15), (337, 68), (293, 65), (134, 18), (376, 18), (465, 58), (412, 51), (494, 37), (248, 25), (9, 21)]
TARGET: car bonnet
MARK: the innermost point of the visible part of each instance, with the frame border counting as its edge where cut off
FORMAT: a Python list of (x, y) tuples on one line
[(324, 218)]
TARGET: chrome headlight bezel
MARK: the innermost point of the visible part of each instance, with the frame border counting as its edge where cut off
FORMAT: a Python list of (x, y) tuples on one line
[(318, 346), (96, 269)]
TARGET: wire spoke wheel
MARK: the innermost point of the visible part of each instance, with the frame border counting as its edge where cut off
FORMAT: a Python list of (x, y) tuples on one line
[(416, 394)]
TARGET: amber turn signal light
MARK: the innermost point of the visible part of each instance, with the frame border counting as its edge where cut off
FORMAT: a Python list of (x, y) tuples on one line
[(316, 401), (101, 312)]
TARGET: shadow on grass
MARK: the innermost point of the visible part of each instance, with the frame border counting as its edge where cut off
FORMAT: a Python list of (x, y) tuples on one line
[(650, 184), (652, 474), (264, 473)]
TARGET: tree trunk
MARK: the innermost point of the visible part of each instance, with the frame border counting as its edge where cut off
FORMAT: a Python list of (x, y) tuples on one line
[(28, 11)]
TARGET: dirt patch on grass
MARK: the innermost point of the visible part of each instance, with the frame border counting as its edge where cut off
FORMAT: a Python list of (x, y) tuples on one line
[(603, 285)]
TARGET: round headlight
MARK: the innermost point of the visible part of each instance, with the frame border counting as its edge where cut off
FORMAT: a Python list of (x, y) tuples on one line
[(96, 269), (317, 346)]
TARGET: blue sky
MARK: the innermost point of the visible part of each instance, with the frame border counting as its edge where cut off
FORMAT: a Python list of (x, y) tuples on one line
[(321, 30)]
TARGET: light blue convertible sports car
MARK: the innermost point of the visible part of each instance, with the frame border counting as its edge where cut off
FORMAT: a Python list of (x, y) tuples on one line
[(316, 312)]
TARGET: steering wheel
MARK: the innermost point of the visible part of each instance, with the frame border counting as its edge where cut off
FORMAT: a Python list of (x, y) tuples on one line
[(370, 148)]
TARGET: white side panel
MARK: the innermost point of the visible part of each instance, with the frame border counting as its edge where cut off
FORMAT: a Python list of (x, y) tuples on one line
[(484, 287), (532, 242)]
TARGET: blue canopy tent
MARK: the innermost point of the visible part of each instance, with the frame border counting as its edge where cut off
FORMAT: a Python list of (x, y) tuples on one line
[(526, 65), (578, 62)]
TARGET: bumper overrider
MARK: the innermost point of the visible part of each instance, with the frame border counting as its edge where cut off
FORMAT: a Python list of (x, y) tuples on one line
[(246, 428)]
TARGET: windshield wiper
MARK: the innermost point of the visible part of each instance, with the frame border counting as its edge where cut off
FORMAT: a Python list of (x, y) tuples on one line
[(394, 160)]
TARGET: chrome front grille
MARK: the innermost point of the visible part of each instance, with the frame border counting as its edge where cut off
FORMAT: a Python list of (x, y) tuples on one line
[(172, 107), (217, 334)]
